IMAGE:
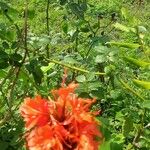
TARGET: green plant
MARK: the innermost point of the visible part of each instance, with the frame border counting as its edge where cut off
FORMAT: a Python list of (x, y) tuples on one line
[(103, 44)]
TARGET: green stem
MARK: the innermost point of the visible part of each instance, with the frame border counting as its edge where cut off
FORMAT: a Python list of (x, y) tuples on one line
[(74, 68), (47, 25), (25, 32), (130, 89)]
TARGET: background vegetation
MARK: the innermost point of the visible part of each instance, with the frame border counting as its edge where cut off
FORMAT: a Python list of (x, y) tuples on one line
[(105, 44)]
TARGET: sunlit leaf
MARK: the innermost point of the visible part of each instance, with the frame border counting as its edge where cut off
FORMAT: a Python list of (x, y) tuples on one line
[(125, 45), (47, 68), (100, 59), (70, 60), (146, 104), (143, 84), (137, 62), (124, 12), (116, 146), (81, 78), (105, 146), (123, 27), (142, 29)]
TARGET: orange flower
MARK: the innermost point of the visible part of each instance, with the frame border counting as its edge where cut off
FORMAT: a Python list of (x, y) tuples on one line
[(64, 123), (35, 111), (42, 138)]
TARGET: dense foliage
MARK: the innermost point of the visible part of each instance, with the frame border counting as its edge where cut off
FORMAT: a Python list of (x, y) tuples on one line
[(105, 47)]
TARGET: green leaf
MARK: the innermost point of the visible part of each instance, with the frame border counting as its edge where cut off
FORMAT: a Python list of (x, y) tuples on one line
[(44, 40), (94, 85), (100, 59), (105, 146), (84, 29), (109, 69), (127, 126), (15, 59), (69, 60), (83, 6), (81, 78), (146, 104), (47, 68), (118, 138), (124, 28), (77, 10), (143, 84), (2, 74), (90, 76), (4, 145), (97, 93), (31, 13), (105, 128), (121, 27), (10, 35), (14, 45), (125, 45), (35, 69), (116, 146), (101, 49), (142, 29), (4, 60), (136, 62), (65, 27), (5, 45), (124, 12), (75, 35), (119, 116), (63, 2), (6, 9), (3, 55), (23, 76), (3, 64), (37, 74), (147, 52)]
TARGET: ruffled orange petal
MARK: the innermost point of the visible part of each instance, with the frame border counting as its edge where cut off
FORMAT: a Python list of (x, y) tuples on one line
[(35, 112)]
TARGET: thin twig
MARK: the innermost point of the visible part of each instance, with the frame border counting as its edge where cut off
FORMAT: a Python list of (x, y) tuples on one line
[(10, 98), (25, 32), (23, 60), (74, 68), (47, 25)]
